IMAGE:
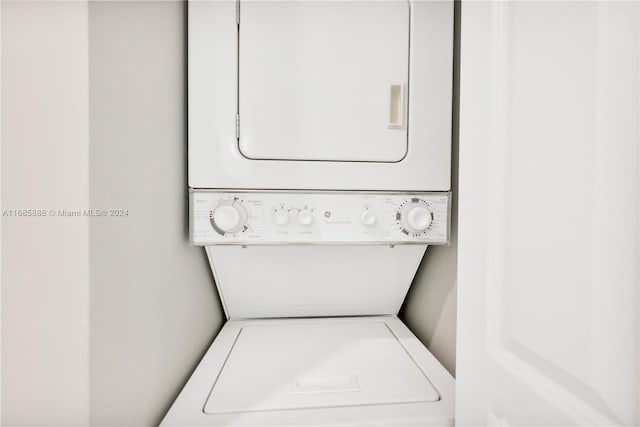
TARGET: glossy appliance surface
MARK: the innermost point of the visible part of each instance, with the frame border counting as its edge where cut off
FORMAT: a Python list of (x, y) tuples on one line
[(335, 95), (320, 95), (317, 364), (330, 371)]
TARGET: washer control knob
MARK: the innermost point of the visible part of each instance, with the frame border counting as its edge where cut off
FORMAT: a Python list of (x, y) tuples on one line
[(229, 216), (368, 218), (418, 218), (305, 217), (281, 217)]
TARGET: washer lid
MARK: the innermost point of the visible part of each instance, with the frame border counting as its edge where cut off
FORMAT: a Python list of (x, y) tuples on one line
[(323, 80), (326, 363)]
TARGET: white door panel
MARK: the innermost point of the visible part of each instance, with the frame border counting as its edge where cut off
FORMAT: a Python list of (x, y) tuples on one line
[(317, 80), (549, 231)]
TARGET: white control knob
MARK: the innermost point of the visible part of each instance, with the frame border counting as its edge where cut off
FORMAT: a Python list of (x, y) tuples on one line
[(281, 217), (418, 218), (305, 217), (368, 218), (229, 216), (226, 218)]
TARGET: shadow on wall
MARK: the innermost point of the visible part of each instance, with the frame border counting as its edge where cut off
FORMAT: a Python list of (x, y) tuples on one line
[(154, 308), (430, 308)]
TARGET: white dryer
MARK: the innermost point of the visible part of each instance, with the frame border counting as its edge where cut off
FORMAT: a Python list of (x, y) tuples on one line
[(319, 171), (320, 95)]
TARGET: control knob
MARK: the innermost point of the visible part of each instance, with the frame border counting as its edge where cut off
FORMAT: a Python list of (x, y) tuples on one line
[(229, 216), (414, 216), (418, 219), (281, 217), (368, 218), (305, 217)]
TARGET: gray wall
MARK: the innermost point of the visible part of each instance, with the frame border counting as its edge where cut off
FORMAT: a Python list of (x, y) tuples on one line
[(430, 308), (154, 308), (103, 319)]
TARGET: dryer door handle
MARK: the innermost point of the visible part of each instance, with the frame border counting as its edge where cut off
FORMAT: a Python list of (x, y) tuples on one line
[(396, 106)]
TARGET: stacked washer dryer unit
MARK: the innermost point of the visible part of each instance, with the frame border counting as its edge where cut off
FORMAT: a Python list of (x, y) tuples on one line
[(319, 171)]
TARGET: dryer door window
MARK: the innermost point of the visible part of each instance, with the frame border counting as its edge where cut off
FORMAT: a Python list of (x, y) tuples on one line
[(323, 80)]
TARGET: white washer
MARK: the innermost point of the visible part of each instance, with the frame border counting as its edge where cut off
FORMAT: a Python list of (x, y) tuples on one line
[(319, 167), (329, 372), (313, 336)]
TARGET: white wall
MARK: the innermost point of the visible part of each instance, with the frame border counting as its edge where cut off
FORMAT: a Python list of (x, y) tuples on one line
[(45, 260), (111, 313)]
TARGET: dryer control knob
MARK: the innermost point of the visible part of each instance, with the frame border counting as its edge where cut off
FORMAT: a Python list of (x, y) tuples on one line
[(305, 217), (418, 219), (281, 217), (229, 216), (368, 218)]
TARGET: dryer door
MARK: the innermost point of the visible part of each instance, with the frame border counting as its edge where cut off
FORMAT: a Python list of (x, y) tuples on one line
[(323, 80)]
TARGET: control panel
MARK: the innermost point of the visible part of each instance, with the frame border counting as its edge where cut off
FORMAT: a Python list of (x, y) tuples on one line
[(246, 218)]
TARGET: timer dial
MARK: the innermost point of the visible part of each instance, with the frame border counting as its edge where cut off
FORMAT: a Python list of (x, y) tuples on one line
[(418, 218), (414, 217), (229, 216)]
